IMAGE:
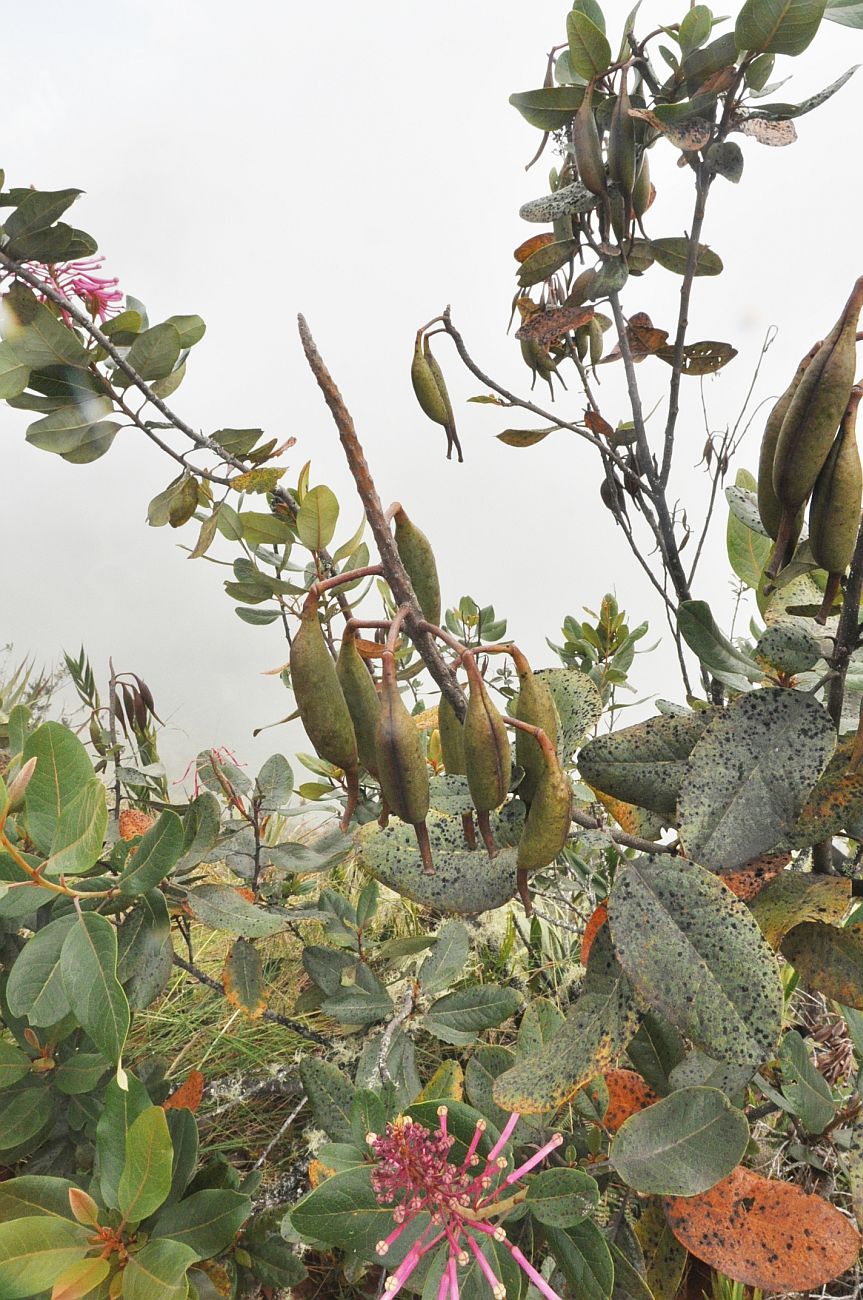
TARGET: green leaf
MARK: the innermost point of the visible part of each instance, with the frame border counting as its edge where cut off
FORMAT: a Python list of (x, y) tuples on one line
[(543, 263), (809, 1092), (88, 964), (223, 908), (35, 334), (191, 329), (847, 12), (206, 1222), (672, 253), (38, 210), (540, 1022), (183, 1129), (62, 767), (81, 1279), (354, 1005), (578, 701), (146, 1177), (273, 1260), (274, 783), (317, 518), (34, 1195), (120, 1109), (243, 978), (331, 1096), (201, 826), (155, 856), (446, 961), (610, 277), (524, 437), (722, 988), (699, 630), (784, 112), (550, 108), (34, 1251), (14, 1064), (26, 1108), (560, 1198), (828, 960), (158, 1272), (589, 50), (153, 354), (739, 796), (92, 444), (584, 1258), (260, 529), (645, 764), (80, 833), (64, 430), (35, 988), (796, 896), (778, 26), (13, 373), (695, 28), (681, 1145), (590, 1040), (459, 1017), (344, 1211), (79, 1073), (748, 547), (144, 950)]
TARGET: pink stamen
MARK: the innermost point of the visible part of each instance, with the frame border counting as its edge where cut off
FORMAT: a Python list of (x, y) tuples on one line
[(474, 1143), (442, 1114), (444, 1288), (504, 1138), (536, 1278), (555, 1142), (453, 1278)]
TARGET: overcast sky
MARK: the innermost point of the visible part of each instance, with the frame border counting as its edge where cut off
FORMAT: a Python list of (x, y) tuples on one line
[(360, 163)]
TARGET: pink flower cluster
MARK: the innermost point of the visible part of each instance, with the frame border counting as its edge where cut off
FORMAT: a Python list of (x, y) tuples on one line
[(415, 1176), (99, 295)]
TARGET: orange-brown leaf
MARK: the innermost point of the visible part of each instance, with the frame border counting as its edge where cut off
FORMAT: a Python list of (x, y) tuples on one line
[(627, 1093), (597, 424), (595, 923), (764, 1233), (545, 327), (134, 822), (748, 881), (533, 245), (188, 1095)]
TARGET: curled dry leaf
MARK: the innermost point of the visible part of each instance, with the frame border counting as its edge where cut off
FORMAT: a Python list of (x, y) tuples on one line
[(627, 1094), (764, 1233), (701, 358), (545, 327), (594, 924), (644, 338), (188, 1095), (775, 134), (598, 425), (688, 136)]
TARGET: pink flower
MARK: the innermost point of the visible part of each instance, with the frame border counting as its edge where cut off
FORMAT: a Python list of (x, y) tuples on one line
[(414, 1176), (98, 294)]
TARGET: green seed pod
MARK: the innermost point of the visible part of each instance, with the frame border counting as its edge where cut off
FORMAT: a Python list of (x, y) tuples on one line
[(431, 392), (402, 768), (416, 554), (768, 503), (642, 190), (487, 757), (585, 143), (534, 705), (539, 361), (361, 698), (834, 512), (548, 820), (621, 145), (813, 417), (451, 738), (321, 702)]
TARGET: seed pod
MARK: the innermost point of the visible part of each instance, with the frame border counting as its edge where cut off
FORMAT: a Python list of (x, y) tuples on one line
[(834, 512), (539, 361), (431, 392), (416, 554), (323, 709), (451, 738), (585, 143), (361, 698), (642, 190), (812, 419), (487, 757), (548, 819), (534, 705), (621, 145), (402, 769), (768, 504)]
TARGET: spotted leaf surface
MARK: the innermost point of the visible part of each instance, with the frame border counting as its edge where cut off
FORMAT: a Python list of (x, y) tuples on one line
[(578, 703), (739, 795), (764, 1233), (695, 954), (644, 764), (682, 1145), (798, 896), (628, 1093), (828, 960)]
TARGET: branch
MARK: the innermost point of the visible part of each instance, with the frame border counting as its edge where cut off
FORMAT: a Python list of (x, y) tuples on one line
[(406, 1007), (622, 838), (272, 1016), (394, 571)]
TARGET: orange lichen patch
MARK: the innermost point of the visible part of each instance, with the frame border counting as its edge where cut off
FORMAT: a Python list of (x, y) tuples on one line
[(764, 1233), (627, 1093), (188, 1095), (594, 924), (747, 881), (629, 817), (218, 1275), (245, 892), (533, 245), (318, 1172), (134, 822)]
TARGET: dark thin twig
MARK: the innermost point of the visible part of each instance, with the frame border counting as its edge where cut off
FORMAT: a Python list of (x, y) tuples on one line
[(272, 1016)]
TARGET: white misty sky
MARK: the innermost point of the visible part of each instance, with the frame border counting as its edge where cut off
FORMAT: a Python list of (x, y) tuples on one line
[(360, 163)]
